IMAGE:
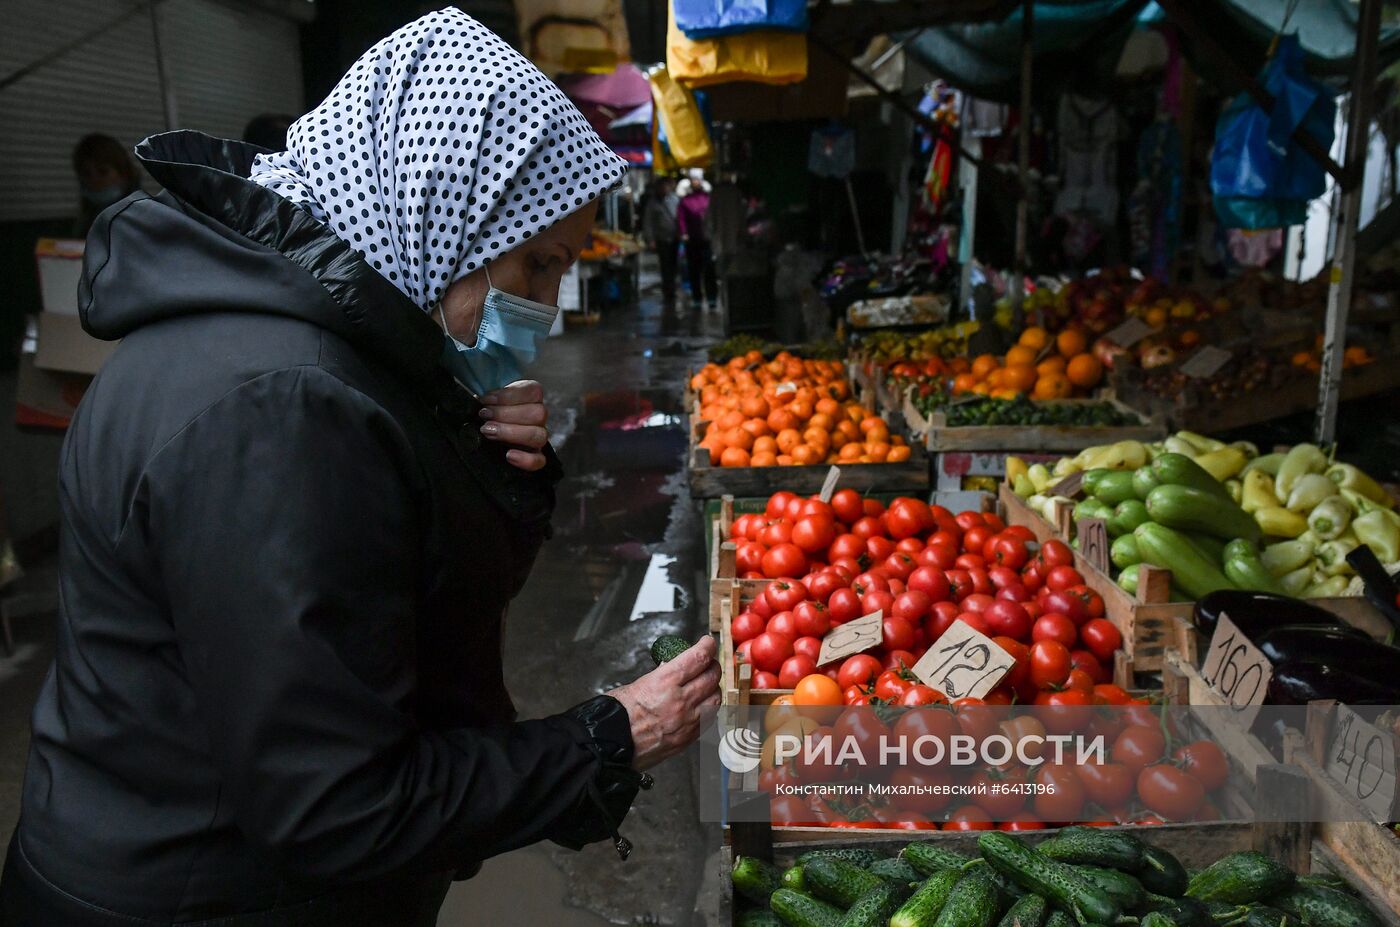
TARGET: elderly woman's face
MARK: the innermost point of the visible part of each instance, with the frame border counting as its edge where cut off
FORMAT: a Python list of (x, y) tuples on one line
[(532, 270)]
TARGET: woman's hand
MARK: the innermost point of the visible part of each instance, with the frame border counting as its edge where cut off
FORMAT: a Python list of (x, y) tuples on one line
[(516, 415), (665, 705)]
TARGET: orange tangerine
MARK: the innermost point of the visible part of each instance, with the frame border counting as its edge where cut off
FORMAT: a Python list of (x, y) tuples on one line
[(1070, 342), (1018, 377), (1084, 370), (983, 365), (1035, 338), (734, 457), (1020, 354)]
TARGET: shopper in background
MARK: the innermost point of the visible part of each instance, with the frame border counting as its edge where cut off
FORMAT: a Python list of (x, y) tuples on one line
[(296, 504), (661, 233), (694, 194), (106, 174)]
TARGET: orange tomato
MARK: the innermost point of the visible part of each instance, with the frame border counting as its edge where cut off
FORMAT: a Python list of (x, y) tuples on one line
[(878, 434), (1084, 370), (1070, 342), (817, 689)]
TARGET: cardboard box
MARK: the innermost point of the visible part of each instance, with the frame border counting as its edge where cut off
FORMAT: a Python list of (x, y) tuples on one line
[(46, 398), (60, 265), (65, 348)]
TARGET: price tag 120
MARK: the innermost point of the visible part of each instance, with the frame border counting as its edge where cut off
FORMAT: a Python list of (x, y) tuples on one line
[(1362, 758), (963, 663), (1236, 670), (853, 637)]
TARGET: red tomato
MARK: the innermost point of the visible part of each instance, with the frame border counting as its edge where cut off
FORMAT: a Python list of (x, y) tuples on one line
[(1078, 679), (938, 557), (845, 545), (1032, 577), (1086, 661), (794, 508), (793, 669), (968, 520), (1033, 609), (1021, 654), (981, 582), (968, 817), (1111, 694), (911, 825), (904, 520), (859, 670), (900, 565), (1055, 627), (945, 537), (1107, 785), (998, 805), (1026, 820), (843, 606), (749, 557), (975, 621), (931, 582), (1065, 711), (1002, 577), (864, 729), (898, 660), (847, 505), (1169, 791), (778, 503), (784, 594), (910, 546), (1050, 664), (878, 548), (1138, 746), (1093, 602), (1010, 552), (808, 647), (765, 680), (784, 560), (891, 686), (975, 538), (1066, 802), (814, 533), (848, 567), (1063, 603), (1055, 553), (775, 533), (977, 602), (1063, 577), (912, 606), (740, 528), (768, 651), (873, 507), (970, 562), (1007, 619), (877, 600), (870, 581), (741, 651), (1207, 812), (747, 625), (811, 619), (822, 584), (896, 585), (852, 695), (940, 618), (938, 723), (783, 623), (868, 527), (1014, 593), (920, 695), (898, 633), (1206, 761), (1101, 637)]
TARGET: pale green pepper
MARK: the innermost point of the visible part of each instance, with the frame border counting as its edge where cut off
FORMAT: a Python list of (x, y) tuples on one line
[(1330, 518), (1379, 533), (1295, 581), (1287, 556), (1236, 489), (1250, 449), (1268, 463), (1257, 492), (1022, 486), (1308, 492), (1301, 460), (1348, 477), (1203, 444), (1040, 476), (1276, 521), (1327, 588), (1332, 556), (1360, 504)]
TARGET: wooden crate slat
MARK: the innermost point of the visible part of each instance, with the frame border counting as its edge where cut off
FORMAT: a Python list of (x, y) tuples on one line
[(939, 436)]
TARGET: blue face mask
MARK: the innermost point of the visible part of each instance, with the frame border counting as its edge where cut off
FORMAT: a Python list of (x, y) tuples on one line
[(506, 340), (103, 197)]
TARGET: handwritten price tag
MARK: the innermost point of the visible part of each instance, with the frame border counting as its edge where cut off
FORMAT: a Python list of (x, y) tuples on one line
[(829, 484), (1206, 362), (1070, 486), (963, 663), (1236, 670), (1130, 333), (1093, 542), (853, 637), (1362, 758)]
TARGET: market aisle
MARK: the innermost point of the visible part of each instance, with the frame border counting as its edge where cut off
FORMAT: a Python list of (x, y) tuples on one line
[(621, 569)]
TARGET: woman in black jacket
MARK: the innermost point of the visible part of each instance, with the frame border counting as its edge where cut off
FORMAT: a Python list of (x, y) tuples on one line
[(294, 513)]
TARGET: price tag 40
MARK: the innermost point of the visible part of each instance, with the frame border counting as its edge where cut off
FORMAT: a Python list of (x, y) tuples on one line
[(963, 663), (853, 637), (1236, 669), (1362, 758)]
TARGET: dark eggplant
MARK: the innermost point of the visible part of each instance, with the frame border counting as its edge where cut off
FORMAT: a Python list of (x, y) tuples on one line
[(1297, 682), (1321, 644), (1253, 612)]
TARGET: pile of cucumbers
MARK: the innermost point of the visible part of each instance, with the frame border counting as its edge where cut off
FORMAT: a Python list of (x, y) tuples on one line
[(1081, 877)]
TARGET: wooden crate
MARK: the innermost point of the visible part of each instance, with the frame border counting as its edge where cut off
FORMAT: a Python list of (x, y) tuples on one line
[(938, 436)]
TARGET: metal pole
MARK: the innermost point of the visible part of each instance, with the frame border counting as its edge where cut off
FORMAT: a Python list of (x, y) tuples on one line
[(967, 178), (1023, 156), (1343, 254)]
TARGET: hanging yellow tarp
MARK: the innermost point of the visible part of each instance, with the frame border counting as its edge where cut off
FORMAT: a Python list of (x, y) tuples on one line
[(767, 56), (573, 35), (675, 107)]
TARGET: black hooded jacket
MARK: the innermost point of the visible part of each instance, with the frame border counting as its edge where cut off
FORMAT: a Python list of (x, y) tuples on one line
[(286, 558)]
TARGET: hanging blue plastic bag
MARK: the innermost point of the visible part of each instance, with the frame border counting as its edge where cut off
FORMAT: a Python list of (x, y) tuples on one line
[(705, 19), (1259, 177)]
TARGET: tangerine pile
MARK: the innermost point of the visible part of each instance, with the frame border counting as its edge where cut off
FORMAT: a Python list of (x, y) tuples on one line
[(788, 411), (1067, 368)]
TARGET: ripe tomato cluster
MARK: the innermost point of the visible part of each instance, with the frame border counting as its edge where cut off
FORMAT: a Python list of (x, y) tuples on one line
[(1149, 775), (924, 568)]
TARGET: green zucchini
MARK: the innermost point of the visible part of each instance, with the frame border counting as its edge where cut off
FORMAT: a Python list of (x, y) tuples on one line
[(1189, 509), (1167, 548), (895, 870), (793, 878), (754, 879), (1241, 878), (1114, 487), (798, 910), (1128, 578), (1144, 481), (667, 647), (837, 881), (1162, 873), (1127, 516), (1212, 547), (930, 858), (857, 857), (1247, 571), (1180, 470), (1028, 911), (873, 909), (1091, 508), (1126, 891), (1058, 882), (1090, 481), (923, 907), (1320, 906), (1094, 846), (972, 903), (757, 917), (1124, 552)]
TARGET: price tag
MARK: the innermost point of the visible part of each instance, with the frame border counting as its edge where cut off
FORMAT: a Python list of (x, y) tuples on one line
[(1362, 758), (829, 484), (788, 387), (963, 663), (1236, 670), (853, 637), (1130, 332), (1206, 362), (1093, 542), (1070, 486)]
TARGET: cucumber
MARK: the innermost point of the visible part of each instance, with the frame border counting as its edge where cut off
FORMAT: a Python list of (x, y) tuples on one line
[(667, 647), (837, 881), (895, 870), (1320, 906), (1058, 918), (1241, 878), (1144, 481), (923, 907), (1044, 876), (857, 857), (757, 917), (793, 879), (1162, 873), (1189, 509), (1221, 914), (1184, 912), (1126, 891), (798, 910), (873, 909), (1212, 547), (754, 879), (1028, 911), (1261, 915), (929, 858), (1164, 547), (1156, 919), (972, 903), (1180, 470), (1128, 579), (1114, 487), (1094, 846)]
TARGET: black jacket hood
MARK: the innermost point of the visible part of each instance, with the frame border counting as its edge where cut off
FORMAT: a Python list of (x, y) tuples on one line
[(214, 241)]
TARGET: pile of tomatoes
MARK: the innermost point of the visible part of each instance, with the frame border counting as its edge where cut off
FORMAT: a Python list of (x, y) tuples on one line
[(924, 568)]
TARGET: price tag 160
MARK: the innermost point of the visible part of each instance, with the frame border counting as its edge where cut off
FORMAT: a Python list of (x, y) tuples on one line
[(963, 663), (1362, 758), (853, 637), (1236, 670)]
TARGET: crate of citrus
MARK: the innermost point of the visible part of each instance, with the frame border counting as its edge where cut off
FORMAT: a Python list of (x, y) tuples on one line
[(760, 425)]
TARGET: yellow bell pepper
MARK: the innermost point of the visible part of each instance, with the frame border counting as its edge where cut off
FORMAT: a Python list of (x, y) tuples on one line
[(1276, 521), (1015, 467), (1258, 491)]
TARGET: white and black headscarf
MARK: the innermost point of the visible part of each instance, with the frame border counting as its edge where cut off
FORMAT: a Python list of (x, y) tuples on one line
[(442, 148)]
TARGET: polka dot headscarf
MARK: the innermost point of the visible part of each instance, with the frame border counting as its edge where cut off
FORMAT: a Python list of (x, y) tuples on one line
[(442, 148)]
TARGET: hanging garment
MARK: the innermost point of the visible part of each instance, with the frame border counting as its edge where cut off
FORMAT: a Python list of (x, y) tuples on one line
[(1154, 209), (708, 19), (983, 118), (767, 57), (1089, 131), (940, 169), (832, 152), (1255, 247)]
